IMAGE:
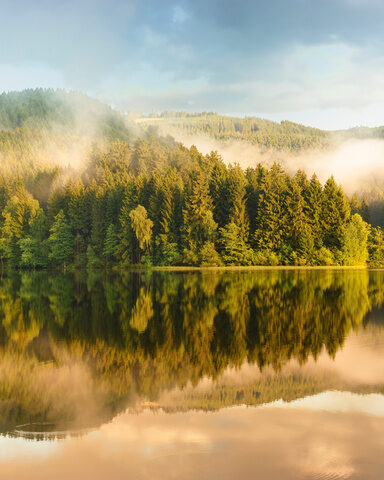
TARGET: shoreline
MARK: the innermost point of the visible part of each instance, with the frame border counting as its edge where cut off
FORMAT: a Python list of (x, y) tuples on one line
[(246, 268)]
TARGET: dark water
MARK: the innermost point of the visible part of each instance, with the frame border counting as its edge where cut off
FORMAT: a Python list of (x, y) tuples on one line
[(218, 374)]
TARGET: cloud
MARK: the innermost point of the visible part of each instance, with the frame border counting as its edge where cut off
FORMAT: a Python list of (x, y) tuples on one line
[(219, 55)]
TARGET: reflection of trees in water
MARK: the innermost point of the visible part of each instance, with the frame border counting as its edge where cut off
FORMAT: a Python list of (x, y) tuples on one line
[(97, 340)]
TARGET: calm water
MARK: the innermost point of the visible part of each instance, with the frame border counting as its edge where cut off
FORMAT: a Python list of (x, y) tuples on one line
[(270, 374)]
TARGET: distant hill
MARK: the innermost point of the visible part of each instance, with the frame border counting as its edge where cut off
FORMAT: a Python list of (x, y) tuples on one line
[(57, 111), (283, 135), (44, 127), (36, 115)]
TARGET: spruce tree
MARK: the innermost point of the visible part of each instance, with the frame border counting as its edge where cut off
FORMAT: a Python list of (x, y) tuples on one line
[(61, 241), (272, 214), (376, 248), (335, 213), (255, 179), (199, 225), (296, 218), (313, 196), (111, 244)]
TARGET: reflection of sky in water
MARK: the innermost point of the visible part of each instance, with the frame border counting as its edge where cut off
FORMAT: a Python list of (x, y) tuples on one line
[(343, 402), (302, 441), (14, 448)]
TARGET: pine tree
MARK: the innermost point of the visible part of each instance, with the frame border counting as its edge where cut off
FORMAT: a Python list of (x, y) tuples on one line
[(334, 214), (61, 241), (355, 204), (296, 218), (199, 225), (111, 244), (365, 213), (313, 196), (255, 179), (218, 188), (376, 248), (272, 214), (170, 219), (234, 249), (142, 158), (237, 192)]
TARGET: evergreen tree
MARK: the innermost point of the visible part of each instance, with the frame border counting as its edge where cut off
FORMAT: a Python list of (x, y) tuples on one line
[(296, 218), (376, 248), (199, 225), (255, 179), (111, 243), (237, 192), (61, 241), (335, 214), (219, 191), (313, 196), (272, 214), (234, 249)]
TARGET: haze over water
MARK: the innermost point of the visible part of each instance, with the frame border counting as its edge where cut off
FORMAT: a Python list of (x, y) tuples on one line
[(212, 374)]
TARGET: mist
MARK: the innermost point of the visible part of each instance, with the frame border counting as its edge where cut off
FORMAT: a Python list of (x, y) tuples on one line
[(356, 164)]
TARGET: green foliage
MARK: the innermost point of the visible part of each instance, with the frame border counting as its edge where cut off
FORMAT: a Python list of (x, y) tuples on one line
[(111, 243), (143, 198), (199, 224), (142, 226), (93, 261), (61, 241), (208, 255), (376, 248), (265, 133), (335, 214), (355, 241), (324, 256), (235, 251)]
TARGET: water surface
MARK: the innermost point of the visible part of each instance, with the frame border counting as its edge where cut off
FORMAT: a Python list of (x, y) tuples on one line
[(216, 374)]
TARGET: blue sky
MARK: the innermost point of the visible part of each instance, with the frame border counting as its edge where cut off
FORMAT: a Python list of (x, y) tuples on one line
[(319, 62)]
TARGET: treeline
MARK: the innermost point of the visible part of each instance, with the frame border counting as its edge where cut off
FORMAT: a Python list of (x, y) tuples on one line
[(158, 203), (284, 135), (288, 136)]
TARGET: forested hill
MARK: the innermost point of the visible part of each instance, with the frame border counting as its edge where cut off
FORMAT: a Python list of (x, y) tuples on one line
[(40, 128), (137, 197), (57, 111), (283, 135)]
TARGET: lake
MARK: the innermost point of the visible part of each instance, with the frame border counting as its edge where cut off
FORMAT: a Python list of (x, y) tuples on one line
[(211, 374)]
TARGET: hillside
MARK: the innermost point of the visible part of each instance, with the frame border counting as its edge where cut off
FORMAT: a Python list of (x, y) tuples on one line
[(40, 128), (285, 135), (56, 110), (81, 186)]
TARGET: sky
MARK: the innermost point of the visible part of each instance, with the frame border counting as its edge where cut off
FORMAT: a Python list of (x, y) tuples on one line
[(317, 62)]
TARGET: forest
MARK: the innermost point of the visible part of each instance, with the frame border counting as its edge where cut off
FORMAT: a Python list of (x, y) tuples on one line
[(279, 136), (141, 198)]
